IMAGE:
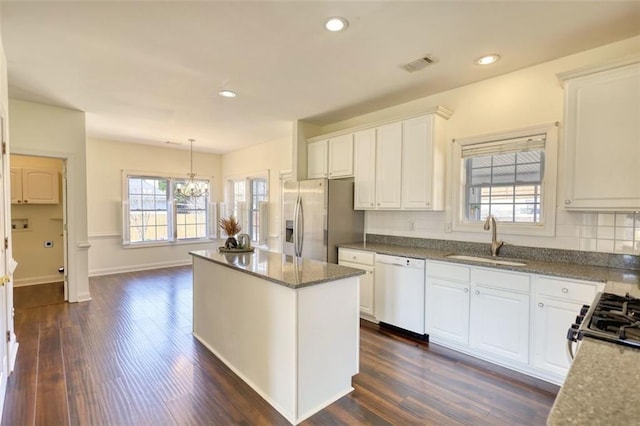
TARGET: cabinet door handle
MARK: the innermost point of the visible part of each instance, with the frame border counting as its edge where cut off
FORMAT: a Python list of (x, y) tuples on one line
[(567, 201), (466, 290), (565, 290), (540, 305), (477, 292)]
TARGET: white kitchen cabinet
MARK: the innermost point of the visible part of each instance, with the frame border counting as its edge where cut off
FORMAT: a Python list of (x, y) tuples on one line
[(602, 139), (363, 260), (341, 156), (499, 315), (34, 186), (500, 323), (388, 166), (556, 305), (317, 159), (423, 163), (364, 168), (331, 158), (447, 298)]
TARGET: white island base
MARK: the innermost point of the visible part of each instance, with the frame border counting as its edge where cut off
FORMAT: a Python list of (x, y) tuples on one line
[(297, 347)]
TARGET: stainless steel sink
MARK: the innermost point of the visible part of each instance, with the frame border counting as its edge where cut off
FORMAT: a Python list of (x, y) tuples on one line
[(492, 261)]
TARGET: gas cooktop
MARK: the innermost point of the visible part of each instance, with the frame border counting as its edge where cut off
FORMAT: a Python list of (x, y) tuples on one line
[(612, 318)]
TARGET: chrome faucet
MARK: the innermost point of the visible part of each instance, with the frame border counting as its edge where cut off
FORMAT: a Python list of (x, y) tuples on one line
[(490, 223)]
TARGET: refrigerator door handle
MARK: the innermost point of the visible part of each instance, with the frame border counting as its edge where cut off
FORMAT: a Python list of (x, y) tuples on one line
[(295, 228), (300, 219)]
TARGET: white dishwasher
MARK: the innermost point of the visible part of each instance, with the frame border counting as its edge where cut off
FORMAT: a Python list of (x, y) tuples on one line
[(399, 292)]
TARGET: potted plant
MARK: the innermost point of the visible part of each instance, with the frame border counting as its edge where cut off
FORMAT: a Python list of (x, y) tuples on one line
[(231, 227)]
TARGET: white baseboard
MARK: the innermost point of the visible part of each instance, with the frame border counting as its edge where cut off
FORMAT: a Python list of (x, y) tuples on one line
[(45, 279), (84, 297), (134, 268), (13, 352)]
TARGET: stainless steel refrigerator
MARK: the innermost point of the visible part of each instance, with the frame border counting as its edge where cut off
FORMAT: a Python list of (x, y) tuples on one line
[(317, 215)]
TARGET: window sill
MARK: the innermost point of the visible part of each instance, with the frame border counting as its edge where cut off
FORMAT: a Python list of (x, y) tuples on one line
[(169, 243), (504, 228)]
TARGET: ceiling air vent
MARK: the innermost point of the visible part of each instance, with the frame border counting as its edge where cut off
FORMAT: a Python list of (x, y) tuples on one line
[(419, 64)]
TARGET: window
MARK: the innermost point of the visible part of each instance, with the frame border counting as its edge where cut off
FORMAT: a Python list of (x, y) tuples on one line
[(191, 214), (248, 200), (510, 176), (148, 202), (258, 196), (153, 212), (507, 186)]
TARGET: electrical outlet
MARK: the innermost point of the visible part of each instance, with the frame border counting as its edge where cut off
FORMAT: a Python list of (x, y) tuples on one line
[(412, 225), (447, 227), (48, 244)]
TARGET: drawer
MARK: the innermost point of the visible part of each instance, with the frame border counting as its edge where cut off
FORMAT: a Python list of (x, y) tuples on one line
[(448, 271), (356, 256), (579, 291), (502, 280), (370, 269)]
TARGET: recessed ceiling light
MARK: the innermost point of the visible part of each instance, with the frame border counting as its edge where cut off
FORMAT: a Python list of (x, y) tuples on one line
[(487, 59), (227, 93), (336, 23)]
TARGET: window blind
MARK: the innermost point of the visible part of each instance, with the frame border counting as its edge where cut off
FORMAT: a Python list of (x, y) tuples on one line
[(506, 146)]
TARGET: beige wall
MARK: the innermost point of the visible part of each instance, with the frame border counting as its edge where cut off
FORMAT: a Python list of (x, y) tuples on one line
[(106, 161), (48, 131), (272, 157), (528, 97), (38, 264)]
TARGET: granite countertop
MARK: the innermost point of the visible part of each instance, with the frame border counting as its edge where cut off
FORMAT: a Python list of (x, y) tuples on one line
[(602, 381), (601, 387), (534, 266), (289, 271)]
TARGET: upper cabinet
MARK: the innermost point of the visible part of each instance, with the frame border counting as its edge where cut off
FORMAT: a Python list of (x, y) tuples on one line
[(602, 138), (364, 169), (341, 156), (317, 159), (388, 166), (331, 158), (34, 186), (423, 163), (401, 165)]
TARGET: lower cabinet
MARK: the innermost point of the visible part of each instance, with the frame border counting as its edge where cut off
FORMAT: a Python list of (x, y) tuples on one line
[(557, 303), (365, 261), (500, 322), (517, 320), (447, 302), (449, 318)]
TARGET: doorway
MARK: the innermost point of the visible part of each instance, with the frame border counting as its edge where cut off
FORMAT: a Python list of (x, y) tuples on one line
[(37, 230)]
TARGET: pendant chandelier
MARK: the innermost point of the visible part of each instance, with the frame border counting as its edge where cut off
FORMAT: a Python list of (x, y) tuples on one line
[(192, 188)]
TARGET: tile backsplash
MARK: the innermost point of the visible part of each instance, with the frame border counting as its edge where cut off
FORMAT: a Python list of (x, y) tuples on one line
[(618, 233), (586, 231)]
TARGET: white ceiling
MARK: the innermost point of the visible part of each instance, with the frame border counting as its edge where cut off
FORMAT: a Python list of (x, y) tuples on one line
[(148, 71)]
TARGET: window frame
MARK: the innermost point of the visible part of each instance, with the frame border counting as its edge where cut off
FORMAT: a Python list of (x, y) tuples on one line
[(546, 227), (172, 210)]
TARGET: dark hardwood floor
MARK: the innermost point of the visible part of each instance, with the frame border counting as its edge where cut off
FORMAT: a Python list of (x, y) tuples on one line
[(128, 358), (35, 296)]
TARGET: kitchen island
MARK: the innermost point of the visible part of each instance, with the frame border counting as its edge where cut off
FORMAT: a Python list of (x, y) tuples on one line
[(289, 327)]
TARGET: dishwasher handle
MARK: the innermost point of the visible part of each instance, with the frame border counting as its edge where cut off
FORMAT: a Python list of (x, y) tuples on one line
[(400, 261)]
